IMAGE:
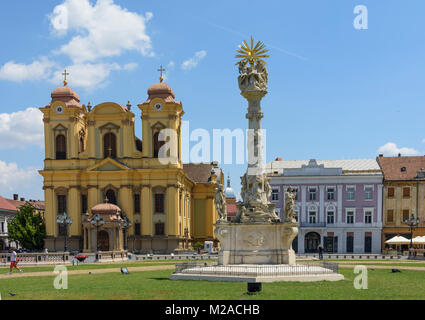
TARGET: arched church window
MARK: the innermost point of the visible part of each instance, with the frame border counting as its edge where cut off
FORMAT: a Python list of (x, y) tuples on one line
[(110, 145), (60, 147), (157, 144), (81, 144), (110, 194)]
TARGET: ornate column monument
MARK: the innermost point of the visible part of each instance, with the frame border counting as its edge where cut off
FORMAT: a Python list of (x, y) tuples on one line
[(256, 246), (257, 236)]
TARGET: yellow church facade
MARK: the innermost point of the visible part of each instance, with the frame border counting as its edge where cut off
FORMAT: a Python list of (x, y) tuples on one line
[(92, 156)]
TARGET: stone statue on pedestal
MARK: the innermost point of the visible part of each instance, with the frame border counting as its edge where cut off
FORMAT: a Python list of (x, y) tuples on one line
[(220, 204), (290, 196)]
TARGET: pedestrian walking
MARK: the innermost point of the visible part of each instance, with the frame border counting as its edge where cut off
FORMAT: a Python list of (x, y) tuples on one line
[(320, 249), (13, 261)]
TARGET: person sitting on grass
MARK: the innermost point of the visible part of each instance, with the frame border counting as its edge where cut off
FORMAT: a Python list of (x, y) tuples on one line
[(13, 261)]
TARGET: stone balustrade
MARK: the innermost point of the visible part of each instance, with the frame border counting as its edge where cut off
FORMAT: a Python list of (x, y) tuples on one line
[(36, 258)]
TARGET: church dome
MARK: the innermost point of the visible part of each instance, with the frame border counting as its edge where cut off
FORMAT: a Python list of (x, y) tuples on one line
[(65, 94), (228, 192), (106, 209), (161, 90)]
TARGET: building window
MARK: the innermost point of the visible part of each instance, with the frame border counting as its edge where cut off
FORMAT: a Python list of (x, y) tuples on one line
[(406, 192), (405, 215), (159, 203), (296, 193), (81, 144), (110, 145), (312, 192), (2, 227), (84, 205), (368, 193), (331, 193), (296, 215), (60, 147), (157, 144), (368, 217), (275, 194), (391, 192), (350, 242), (137, 203), (137, 229), (159, 229), (390, 215), (350, 193), (350, 217), (312, 217), (331, 217), (110, 194)]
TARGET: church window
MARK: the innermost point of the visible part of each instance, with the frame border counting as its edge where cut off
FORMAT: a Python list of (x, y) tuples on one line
[(137, 203), (84, 205), (159, 203), (137, 229), (81, 144), (157, 144), (110, 145), (159, 229), (110, 194), (61, 210), (60, 147)]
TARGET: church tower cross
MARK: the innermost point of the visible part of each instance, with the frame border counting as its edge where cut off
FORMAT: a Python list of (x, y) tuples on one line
[(161, 78), (65, 74)]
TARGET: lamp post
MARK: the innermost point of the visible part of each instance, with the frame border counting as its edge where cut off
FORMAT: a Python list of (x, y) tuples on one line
[(412, 223), (97, 221), (64, 220), (125, 224)]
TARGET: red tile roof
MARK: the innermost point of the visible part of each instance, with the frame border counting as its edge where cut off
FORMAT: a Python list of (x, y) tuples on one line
[(392, 167), (6, 205)]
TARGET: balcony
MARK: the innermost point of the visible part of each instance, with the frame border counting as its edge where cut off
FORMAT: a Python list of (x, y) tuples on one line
[(312, 225)]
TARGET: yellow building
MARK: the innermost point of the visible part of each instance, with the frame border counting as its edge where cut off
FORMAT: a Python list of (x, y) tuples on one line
[(93, 154), (404, 195)]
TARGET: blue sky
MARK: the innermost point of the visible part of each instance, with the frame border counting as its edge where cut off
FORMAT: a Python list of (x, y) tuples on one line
[(334, 92)]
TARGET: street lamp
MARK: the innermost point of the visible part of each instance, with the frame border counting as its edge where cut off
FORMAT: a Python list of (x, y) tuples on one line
[(412, 223), (97, 221), (64, 220), (125, 224)]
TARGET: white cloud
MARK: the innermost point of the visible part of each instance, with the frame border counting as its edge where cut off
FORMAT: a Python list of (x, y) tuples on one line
[(91, 75), (423, 141), (171, 64), (391, 149), (17, 180), (193, 62), (130, 66), (21, 129), (17, 72), (103, 30)]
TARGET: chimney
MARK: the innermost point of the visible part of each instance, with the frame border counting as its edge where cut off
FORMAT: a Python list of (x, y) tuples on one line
[(399, 154), (22, 199), (278, 159), (15, 196)]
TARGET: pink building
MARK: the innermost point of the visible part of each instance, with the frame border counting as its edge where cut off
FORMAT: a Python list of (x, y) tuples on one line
[(339, 203)]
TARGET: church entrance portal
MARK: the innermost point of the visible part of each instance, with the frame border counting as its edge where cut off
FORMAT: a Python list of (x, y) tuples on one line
[(103, 240), (312, 240)]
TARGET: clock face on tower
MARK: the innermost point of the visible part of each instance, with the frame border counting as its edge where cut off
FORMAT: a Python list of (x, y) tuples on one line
[(59, 109), (157, 106)]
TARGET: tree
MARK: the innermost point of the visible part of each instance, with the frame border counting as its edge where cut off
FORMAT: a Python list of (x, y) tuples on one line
[(28, 228)]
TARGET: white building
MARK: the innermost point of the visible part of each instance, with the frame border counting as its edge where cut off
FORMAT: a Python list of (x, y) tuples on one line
[(339, 203)]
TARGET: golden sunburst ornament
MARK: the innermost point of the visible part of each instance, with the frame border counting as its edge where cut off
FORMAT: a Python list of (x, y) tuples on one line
[(252, 54)]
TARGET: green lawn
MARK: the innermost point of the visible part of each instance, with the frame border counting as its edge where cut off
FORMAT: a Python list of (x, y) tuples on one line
[(156, 285)]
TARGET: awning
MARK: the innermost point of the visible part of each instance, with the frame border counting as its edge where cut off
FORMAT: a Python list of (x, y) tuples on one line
[(398, 240)]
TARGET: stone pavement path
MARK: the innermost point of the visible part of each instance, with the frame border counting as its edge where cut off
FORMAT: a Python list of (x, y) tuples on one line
[(87, 271)]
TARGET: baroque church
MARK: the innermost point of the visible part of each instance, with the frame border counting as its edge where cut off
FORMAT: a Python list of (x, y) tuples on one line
[(95, 168)]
